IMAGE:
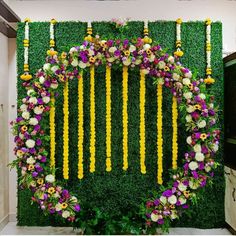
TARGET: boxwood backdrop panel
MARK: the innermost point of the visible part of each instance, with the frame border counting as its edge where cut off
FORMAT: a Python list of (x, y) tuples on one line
[(111, 200)]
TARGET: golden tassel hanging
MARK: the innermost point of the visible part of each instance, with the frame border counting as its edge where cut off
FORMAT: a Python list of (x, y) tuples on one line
[(159, 135), (142, 122), (80, 126), (125, 118), (175, 133), (92, 121), (52, 131), (108, 118), (66, 131)]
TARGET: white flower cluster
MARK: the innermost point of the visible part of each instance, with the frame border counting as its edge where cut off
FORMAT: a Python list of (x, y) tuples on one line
[(178, 32), (208, 41), (51, 31), (26, 49)]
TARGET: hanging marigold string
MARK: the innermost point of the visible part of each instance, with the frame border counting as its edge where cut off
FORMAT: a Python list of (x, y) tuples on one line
[(26, 76), (125, 118), (208, 79), (142, 122), (52, 107), (159, 135), (92, 121), (108, 118), (80, 126), (66, 131), (175, 133), (52, 131)]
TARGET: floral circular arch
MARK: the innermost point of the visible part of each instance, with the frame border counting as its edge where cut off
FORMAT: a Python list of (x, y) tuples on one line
[(196, 105)]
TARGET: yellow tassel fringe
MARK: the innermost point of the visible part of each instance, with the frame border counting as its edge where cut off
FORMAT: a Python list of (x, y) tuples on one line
[(175, 133)]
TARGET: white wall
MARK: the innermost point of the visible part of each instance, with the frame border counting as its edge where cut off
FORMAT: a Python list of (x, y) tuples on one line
[(4, 181), (217, 10)]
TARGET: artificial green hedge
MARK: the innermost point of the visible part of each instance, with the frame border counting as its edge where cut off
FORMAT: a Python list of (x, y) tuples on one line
[(110, 201)]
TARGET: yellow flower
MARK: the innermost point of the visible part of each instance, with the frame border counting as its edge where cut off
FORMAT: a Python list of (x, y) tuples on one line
[(61, 77), (26, 77), (64, 205), (148, 40), (208, 21), (27, 20), (127, 53), (51, 190), (41, 107), (24, 128), (203, 136), (172, 206), (166, 68), (186, 194), (190, 86), (149, 52), (63, 55), (179, 21), (40, 181), (92, 59), (51, 52), (53, 21), (209, 80), (197, 107), (30, 167), (88, 38), (179, 53)]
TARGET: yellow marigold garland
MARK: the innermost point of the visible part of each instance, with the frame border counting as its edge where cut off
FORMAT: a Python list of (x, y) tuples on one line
[(52, 131), (142, 122), (92, 121), (66, 131), (159, 135), (175, 133), (108, 118), (80, 126), (125, 118)]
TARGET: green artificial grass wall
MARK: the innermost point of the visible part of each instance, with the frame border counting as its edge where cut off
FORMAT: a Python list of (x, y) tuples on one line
[(110, 201)]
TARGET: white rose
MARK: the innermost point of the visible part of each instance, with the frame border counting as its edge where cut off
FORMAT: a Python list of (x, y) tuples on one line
[(172, 199), (171, 59), (188, 118), (46, 66), (215, 147), (38, 111), (65, 214), (201, 124), (175, 76), (75, 63), (202, 96), (152, 58), (132, 48), (90, 52), (33, 100), (199, 156), (189, 140), (186, 81), (163, 199), (50, 178), (161, 64), (72, 50), (193, 165), (173, 214), (54, 85), (33, 121), (46, 99), (211, 105), (182, 200), (188, 75), (30, 143), (30, 91), (188, 95), (30, 160), (58, 207), (41, 79), (197, 148), (146, 46), (182, 187), (112, 49), (127, 62), (25, 115), (82, 65), (54, 69), (190, 109), (23, 107), (74, 199), (193, 185), (154, 217)]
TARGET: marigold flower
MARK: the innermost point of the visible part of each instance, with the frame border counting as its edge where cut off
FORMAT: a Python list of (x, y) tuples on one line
[(209, 80), (203, 136), (30, 167), (64, 205), (51, 52), (179, 21), (127, 53), (179, 53), (197, 107), (40, 181), (26, 77), (92, 59), (24, 128), (51, 190), (53, 21)]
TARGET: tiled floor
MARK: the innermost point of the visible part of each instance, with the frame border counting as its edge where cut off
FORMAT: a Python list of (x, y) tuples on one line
[(12, 229)]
